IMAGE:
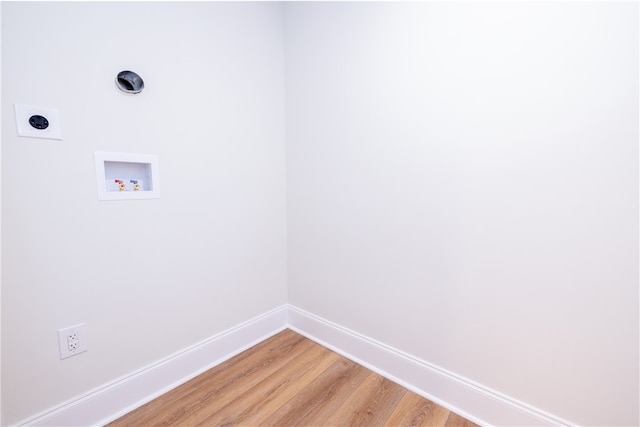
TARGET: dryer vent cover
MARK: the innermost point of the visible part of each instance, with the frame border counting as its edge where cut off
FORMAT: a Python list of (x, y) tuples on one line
[(129, 82)]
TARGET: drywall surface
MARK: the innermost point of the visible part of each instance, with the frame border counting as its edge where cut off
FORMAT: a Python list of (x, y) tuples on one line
[(463, 186), (0, 227), (148, 277)]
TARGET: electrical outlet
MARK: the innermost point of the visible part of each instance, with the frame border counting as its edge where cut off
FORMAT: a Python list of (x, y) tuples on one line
[(72, 340), (38, 122)]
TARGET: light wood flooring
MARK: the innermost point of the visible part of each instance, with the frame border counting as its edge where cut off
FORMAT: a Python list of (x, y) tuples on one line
[(288, 380)]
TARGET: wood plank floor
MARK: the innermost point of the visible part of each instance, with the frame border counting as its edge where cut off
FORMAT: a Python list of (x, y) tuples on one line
[(288, 380)]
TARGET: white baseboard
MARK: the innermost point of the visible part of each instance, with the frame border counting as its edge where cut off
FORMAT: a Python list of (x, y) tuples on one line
[(113, 400), (470, 400), (460, 395)]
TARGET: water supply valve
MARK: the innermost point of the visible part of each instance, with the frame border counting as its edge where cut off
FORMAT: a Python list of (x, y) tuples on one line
[(121, 185)]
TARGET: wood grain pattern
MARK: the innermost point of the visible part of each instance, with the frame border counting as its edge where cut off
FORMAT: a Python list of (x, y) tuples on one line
[(289, 380), (414, 410), (260, 402), (455, 420), (370, 404), (319, 399)]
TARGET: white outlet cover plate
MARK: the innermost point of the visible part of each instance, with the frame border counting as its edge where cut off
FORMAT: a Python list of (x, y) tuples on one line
[(63, 342), (24, 112)]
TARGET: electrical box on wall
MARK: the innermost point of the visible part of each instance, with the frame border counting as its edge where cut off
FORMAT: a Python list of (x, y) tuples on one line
[(38, 122), (126, 176)]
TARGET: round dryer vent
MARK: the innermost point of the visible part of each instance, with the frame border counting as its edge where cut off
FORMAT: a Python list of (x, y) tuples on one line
[(129, 82)]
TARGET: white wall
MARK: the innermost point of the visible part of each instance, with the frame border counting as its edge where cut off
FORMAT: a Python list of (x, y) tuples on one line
[(0, 227), (463, 186), (149, 277)]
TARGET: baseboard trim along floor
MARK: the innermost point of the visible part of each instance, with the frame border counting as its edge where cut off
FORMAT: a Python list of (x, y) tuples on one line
[(473, 401), (470, 400), (107, 403)]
